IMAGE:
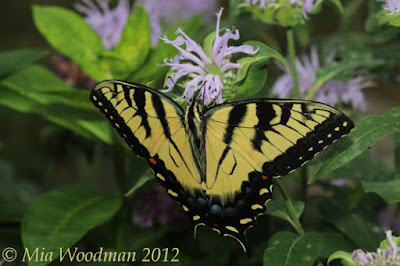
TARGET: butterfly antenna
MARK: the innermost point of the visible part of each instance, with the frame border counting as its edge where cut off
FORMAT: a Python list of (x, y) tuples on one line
[(175, 86)]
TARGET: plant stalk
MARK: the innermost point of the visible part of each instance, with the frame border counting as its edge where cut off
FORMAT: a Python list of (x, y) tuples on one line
[(297, 224), (296, 221), (292, 58)]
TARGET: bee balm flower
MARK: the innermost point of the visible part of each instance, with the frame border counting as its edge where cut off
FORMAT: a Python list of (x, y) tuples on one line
[(209, 73), (389, 256), (392, 5), (108, 23), (331, 92)]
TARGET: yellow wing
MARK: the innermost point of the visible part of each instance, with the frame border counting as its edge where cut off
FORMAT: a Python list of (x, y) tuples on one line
[(248, 143), (152, 125)]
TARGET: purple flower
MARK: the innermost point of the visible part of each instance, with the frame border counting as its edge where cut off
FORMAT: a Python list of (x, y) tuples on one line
[(155, 206), (388, 256), (308, 5), (330, 92), (341, 182), (392, 5), (108, 23), (172, 11), (207, 72)]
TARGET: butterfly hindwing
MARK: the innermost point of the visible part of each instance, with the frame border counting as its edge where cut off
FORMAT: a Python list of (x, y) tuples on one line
[(258, 140), (152, 125)]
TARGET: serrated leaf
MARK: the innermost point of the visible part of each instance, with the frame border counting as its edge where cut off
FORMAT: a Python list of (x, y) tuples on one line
[(69, 34), (345, 257), (11, 61), (279, 209), (287, 249), (366, 132), (60, 218)]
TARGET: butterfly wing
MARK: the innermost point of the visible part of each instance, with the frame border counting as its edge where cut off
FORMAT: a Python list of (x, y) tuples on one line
[(152, 125), (260, 139)]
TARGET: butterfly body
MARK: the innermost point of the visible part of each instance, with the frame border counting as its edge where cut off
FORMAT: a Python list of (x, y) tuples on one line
[(218, 163)]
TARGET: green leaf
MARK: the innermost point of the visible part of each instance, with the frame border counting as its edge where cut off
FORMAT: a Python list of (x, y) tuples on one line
[(234, 9), (385, 243), (334, 241), (11, 61), (389, 191), (378, 22), (43, 86), (346, 257), (355, 196), (318, 5), (134, 45), (36, 90), (69, 34), (253, 74), (395, 20), (147, 176), (363, 233), (286, 249), (150, 71), (279, 209), (396, 144), (60, 218), (366, 132), (333, 71), (208, 44)]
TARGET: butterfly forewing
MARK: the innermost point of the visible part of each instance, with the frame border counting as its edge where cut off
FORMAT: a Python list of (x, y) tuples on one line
[(152, 125)]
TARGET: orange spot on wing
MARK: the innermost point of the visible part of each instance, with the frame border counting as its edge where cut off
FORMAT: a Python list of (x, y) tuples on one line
[(153, 161), (265, 177), (215, 225)]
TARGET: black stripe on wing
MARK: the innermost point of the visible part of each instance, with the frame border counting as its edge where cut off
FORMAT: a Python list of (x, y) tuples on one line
[(323, 135)]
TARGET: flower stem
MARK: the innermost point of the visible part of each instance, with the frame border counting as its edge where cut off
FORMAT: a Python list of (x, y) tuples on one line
[(289, 204), (296, 221), (292, 58)]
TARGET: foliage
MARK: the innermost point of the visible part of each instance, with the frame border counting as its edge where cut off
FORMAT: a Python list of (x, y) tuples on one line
[(67, 180)]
